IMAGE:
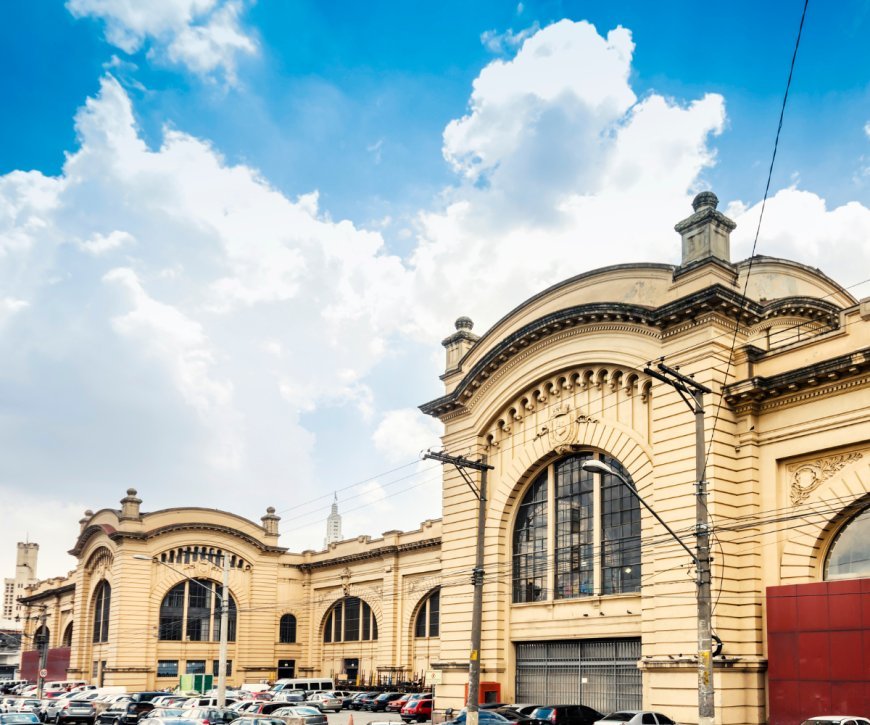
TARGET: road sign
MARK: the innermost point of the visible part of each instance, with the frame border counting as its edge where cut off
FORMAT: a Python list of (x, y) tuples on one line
[(43, 673)]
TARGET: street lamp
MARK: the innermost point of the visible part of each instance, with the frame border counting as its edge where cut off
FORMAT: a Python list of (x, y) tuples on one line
[(225, 616), (705, 679)]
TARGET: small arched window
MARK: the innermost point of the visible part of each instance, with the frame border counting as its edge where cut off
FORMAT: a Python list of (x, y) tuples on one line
[(849, 556), (350, 620), (102, 605), (66, 641), (287, 629), (192, 609), (428, 622)]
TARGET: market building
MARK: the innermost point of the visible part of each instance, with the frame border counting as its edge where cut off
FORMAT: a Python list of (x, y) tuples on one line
[(586, 598)]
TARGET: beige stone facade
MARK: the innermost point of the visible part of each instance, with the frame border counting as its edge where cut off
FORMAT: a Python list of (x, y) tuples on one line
[(143, 556), (585, 596)]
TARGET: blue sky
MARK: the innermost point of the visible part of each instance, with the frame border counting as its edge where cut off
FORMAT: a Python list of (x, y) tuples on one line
[(233, 234)]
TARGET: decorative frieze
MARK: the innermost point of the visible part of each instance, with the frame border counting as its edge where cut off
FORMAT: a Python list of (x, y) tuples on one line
[(807, 476)]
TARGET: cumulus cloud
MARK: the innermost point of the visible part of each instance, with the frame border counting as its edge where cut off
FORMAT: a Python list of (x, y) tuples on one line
[(563, 169), (102, 243), (402, 434), (799, 225), (202, 35)]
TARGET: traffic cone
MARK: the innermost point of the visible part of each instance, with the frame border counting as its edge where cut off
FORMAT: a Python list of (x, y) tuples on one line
[(350, 719)]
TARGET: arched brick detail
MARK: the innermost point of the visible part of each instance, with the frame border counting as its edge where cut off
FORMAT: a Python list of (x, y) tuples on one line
[(611, 438), (806, 545), (320, 616), (408, 623)]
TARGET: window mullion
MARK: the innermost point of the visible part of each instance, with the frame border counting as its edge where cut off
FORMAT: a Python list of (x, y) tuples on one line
[(597, 549), (551, 532)]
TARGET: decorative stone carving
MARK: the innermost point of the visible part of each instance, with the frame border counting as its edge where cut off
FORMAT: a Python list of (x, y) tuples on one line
[(807, 476), (345, 581)]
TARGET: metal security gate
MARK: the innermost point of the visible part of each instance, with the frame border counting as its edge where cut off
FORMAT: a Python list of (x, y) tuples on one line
[(599, 673)]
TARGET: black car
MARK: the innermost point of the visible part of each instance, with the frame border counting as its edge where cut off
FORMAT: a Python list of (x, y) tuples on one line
[(129, 711), (567, 714), (359, 701), (379, 703)]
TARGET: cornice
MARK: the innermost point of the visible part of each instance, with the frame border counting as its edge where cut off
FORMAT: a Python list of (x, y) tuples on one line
[(675, 316), (119, 535), (47, 594), (822, 378), (377, 553)]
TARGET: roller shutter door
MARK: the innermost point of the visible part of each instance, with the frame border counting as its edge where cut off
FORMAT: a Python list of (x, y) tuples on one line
[(598, 673)]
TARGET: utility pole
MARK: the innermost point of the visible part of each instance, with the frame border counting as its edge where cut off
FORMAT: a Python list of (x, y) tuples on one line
[(692, 394), (42, 644), (460, 463), (225, 622)]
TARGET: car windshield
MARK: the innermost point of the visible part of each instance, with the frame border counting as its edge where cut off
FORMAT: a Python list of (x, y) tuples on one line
[(305, 711), (18, 718), (543, 713), (620, 716)]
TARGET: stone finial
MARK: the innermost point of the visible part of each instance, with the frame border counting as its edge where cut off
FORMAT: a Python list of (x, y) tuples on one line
[(270, 521), (460, 342), (130, 505), (707, 232), (84, 520)]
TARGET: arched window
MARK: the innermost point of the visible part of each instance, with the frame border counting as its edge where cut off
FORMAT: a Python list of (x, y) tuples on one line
[(595, 543), (41, 637), (66, 640), (192, 609), (350, 620), (102, 604), (428, 619), (287, 629), (849, 556)]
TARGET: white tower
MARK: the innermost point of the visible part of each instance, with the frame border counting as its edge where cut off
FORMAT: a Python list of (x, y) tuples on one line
[(333, 525)]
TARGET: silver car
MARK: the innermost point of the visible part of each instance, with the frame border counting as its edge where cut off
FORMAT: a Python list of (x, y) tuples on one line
[(309, 715), (324, 701)]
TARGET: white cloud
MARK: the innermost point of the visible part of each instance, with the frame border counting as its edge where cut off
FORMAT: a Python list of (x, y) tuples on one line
[(100, 243), (798, 225), (10, 306), (508, 41), (203, 35), (402, 434)]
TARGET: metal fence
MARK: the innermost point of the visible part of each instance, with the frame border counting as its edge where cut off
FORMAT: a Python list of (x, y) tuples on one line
[(598, 673)]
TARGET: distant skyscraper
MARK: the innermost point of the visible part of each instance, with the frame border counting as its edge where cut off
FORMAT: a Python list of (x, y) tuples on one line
[(25, 573), (333, 525)]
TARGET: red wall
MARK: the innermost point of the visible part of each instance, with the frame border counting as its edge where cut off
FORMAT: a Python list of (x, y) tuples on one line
[(818, 644), (56, 662)]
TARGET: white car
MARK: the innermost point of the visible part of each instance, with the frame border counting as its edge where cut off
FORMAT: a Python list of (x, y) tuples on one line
[(836, 720), (635, 717)]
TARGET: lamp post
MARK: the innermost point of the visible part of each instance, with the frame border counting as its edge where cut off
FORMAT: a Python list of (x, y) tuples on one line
[(701, 559), (42, 644), (225, 617)]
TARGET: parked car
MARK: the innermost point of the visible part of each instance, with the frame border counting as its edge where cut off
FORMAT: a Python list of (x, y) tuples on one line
[(360, 699), (128, 712), (524, 708), (635, 717), (192, 702), (567, 714), (323, 701), (6, 703), (397, 704), (345, 696), (18, 718), (309, 715), (80, 708), (517, 717), (418, 710), (27, 705), (379, 703), (836, 720), (211, 715), (259, 721)]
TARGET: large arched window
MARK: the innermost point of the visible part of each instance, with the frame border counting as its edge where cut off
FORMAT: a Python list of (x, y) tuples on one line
[(287, 629), (102, 605), (428, 622), (849, 556), (594, 545), (66, 640), (350, 620), (192, 608)]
